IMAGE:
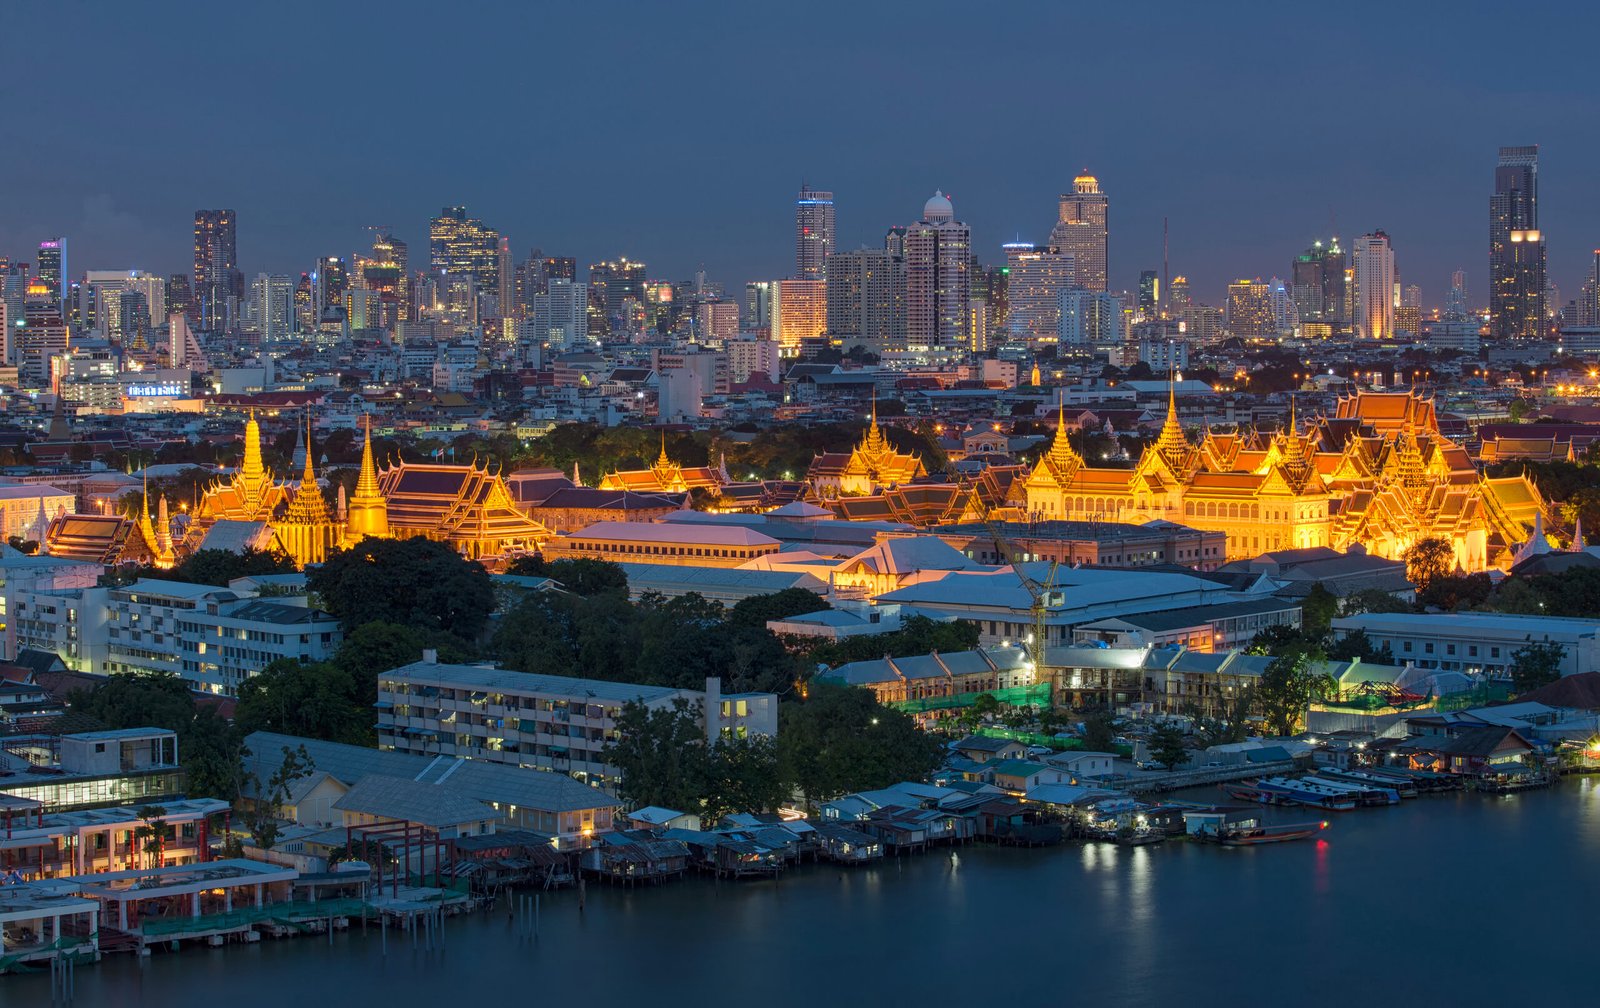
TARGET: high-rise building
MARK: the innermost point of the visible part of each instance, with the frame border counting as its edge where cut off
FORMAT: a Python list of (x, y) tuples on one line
[(461, 246), (180, 295), (616, 299), (1374, 283), (561, 314), (387, 276), (1316, 285), (218, 284), (813, 233), (52, 268), (330, 281), (866, 292), (1034, 282), (799, 313), (1250, 314), (938, 284), (272, 307), (757, 313), (1455, 302), (1516, 247), (1090, 319), (1149, 294), (1082, 233), (1588, 306), (1178, 296)]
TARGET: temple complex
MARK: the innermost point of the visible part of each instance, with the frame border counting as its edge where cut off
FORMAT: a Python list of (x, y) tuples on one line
[(1378, 474), (873, 465), (667, 476)]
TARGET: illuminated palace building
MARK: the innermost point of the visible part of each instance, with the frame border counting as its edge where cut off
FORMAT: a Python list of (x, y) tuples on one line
[(1378, 474), (466, 506)]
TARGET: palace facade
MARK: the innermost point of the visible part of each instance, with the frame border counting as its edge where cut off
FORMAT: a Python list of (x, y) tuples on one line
[(1377, 474)]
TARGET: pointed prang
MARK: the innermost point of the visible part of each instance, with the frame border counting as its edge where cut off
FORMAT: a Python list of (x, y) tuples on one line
[(577, 480)]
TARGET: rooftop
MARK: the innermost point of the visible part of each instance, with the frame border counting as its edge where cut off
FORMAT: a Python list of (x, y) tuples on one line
[(510, 681)]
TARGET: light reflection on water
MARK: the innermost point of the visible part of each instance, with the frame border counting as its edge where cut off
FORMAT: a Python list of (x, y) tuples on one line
[(1171, 923)]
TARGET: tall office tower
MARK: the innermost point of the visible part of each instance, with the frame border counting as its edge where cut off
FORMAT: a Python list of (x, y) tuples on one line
[(1149, 294), (938, 257), (616, 298), (1090, 319), (1250, 310), (1034, 281), (505, 282), (561, 314), (14, 280), (134, 315), (217, 280), (997, 298), (799, 313), (866, 299), (1081, 231), (894, 240), (387, 275), (757, 314), (34, 338), (1455, 302), (1316, 285), (1284, 316), (813, 233), (1373, 259), (1516, 248), (1178, 296), (565, 267), (272, 306), (331, 280), (717, 321), (52, 268), (462, 246), (306, 311), (1588, 306), (180, 296)]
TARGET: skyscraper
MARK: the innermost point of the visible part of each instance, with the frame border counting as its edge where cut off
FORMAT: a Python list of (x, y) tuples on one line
[(217, 280), (799, 313), (1374, 275), (180, 296), (616, 298), (386, 276), (1250, 314), (866, 291), (1516, 247), (757, 312), (561, 314), (938, 257), (271, 306), (1149, 294), (813, 233), (331, 280), (1081, 231), (52, 268), (462, 246), (1316, 285), (1034, 282), (1455, 302), (1090, 319)]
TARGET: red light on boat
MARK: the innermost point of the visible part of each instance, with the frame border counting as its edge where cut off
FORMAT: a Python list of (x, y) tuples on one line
[(1324, 824)]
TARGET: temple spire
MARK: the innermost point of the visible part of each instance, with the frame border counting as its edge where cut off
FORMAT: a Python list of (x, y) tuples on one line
[(662, 460), (251, 467), (367, 513)]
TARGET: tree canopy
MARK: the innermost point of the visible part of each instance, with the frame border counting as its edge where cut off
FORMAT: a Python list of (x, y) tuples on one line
[(839, 739), (208, 747), (413, 582)]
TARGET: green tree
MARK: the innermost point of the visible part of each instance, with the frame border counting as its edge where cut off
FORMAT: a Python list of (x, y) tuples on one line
[(757, 610), (375, 648), (839, 739), (414, 582), (1288, 686), (1099, 732), (742, 776), (662, 756), (1427, 559), (1536, 664), (1357, 646), (1374, 600), (984, 704), (579, 575), (151, 835), (313, 700), (1166, 746), (265, 814), (208, 746), (1231, 725), (211, 749), (1456, 591), (1318, 609), (218, 566)]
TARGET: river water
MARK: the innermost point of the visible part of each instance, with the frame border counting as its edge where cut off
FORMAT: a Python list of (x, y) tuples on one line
[(1458, 899)]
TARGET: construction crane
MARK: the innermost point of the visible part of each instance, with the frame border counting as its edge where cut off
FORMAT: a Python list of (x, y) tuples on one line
[(1037, 591)]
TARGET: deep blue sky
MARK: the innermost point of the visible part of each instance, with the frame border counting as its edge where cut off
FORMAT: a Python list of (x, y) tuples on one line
[(678, 132)]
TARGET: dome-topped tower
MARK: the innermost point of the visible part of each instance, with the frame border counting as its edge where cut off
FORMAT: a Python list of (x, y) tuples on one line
[(1086, 184), (939, 208)]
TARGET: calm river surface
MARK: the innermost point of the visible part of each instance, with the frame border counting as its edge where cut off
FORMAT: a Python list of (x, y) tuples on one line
[(1457, 899)]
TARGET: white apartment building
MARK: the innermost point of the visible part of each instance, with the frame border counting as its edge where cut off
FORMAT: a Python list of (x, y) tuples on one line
[(1475, 642), (560, 723)]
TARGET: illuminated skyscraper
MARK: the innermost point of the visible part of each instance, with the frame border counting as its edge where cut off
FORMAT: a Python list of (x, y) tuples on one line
[(332, 279), (462, 246), (1090, 319), (1149, 294), (799, 313), (180, 296), (52, 268), (1316, 284), (1250, 314), (616, 298), (560, 314), (1455, 302), (217, 280), (1034, 282), (1081, 231), (386, 276), (813, 233), (757, 314), (271, 307), (938, 283), (1516, 247), (1374, 276)]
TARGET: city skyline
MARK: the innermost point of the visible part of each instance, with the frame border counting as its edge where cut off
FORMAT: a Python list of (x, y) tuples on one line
[(1244, 212)]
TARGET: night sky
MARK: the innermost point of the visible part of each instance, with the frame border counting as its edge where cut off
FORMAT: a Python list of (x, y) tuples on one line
[(678, 133)]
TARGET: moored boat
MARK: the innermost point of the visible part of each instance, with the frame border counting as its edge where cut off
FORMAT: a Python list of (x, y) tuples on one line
[(1312, 794), (1365, 794)]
